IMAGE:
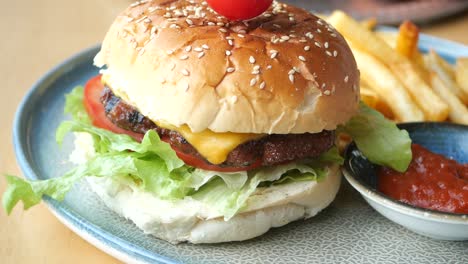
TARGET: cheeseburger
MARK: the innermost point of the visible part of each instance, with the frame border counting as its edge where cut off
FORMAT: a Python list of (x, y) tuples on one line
[(207, 130)]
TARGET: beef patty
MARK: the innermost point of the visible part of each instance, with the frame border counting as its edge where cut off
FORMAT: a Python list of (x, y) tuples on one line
[(272, 149)]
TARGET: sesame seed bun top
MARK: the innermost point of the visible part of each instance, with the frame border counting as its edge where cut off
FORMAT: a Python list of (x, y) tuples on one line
[(179, 62)]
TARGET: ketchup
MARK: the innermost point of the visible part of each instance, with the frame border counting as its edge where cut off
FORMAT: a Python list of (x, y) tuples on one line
[(432, 181)]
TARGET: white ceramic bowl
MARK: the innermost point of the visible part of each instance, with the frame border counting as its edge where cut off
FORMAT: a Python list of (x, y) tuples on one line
[(444, 137)]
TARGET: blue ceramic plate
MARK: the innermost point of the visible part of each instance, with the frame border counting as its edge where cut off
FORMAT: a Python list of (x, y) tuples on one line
[(447, 139), (349, 230)]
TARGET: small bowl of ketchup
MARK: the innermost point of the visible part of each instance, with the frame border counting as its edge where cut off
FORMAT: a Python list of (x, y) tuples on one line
[(431, 197)]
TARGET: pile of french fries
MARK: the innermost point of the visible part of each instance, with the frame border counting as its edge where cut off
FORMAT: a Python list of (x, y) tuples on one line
[(398, 80)]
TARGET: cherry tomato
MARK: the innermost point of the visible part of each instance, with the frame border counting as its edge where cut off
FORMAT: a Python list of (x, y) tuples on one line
[(240, 9), (95, 109)]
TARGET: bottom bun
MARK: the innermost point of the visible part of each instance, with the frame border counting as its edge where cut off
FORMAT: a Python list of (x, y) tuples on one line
[(192, 221)]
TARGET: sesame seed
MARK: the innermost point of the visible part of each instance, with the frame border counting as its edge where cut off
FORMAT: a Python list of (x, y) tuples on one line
[(256, 67), (307, 48), (230, 69), (221, 24), (252, 59), (223, 30), (269, 67), (285, 37), (292, 71), (255, 72), (234, 99), (327, 92), (153, 30), (184, 57), (319, 31), (201, 54), (276, 26), (147, 20), (262, 85), (302, 58), (325, 45), (267, 15), (291, 78), (204, 46), (197, 49), (130, 19), (242, 31), (187, 87), (169, 52), (333, 35), (329, 53), (335, 53), (189, 22), (296, 69), (173, 66), (303, 40), (241, 36), (228, 53), (319, 22), (253, 81), (317, 44), (273, 55), (346, 79), (185, 72), (211, 24), (188, 48), (230, 42)]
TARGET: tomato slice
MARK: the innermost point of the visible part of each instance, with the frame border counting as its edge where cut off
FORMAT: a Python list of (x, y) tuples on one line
[(202, 164), (94, 107), (240, 9)]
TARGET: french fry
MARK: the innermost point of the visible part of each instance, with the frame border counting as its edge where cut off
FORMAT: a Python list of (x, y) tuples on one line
[(461, 73), (387, 86), (433, 107), (458, 112), (369, 23), (388, 37), (433, 63), (369, 97), (407, 40), (407, 45)]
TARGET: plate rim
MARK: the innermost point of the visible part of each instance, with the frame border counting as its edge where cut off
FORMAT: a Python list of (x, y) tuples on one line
[(108, 242)]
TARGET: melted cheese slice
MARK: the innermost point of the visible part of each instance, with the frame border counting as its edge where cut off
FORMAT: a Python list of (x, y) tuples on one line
[(214, 147)]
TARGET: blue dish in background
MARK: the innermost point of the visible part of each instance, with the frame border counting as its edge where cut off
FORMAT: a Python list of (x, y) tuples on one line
[(348, 230), (447, 139)]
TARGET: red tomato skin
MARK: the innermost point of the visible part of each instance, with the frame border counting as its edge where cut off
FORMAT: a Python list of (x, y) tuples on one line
[(240, 9), (95, 109)]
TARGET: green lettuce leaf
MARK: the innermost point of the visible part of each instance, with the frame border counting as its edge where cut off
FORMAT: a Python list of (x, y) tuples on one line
[(74, 105), (379, 139)]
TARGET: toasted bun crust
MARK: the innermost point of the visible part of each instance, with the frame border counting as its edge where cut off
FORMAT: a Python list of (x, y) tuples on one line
[(285, 71), (192, 221)]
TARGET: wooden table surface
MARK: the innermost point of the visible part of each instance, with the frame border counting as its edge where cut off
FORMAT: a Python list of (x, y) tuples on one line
[(36, 36)]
